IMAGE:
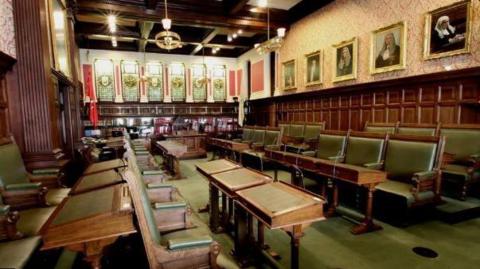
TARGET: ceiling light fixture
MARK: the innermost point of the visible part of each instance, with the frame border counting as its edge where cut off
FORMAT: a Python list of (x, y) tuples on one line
[(272, 44), (240, 31), (234, 35), (112, 23), (167, 39), (229, 38), (114, 41)]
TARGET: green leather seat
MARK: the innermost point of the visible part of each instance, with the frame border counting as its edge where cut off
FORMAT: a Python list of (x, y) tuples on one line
[(464, 144), (403, 160), (258, 137), (312, 131), (271, 139), (15, 254), (380, 129), (416, 131), (364, 151), (284, 128), (330, 147), (297, 131), (32, 220), (13, 174), (247, 135)]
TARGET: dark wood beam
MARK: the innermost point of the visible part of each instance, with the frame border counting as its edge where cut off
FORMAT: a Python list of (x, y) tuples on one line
[(236, 6), (145, 29), (151, 4), (181, 17), (205, 40), (85, 28)]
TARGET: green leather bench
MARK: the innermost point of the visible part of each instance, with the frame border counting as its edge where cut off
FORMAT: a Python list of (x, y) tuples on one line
[(462, 149), (192, 248), (21, 189), (308, 139), (384, 128), (418, 129), (16, 254), (247, 135), (365, 149), (256, 154), (412, 167)]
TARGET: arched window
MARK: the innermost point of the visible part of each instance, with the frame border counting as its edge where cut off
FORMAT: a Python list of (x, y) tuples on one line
[(130, 81), (104, 80), (219, 83), (154, 83), (177, 82), (199, 82)]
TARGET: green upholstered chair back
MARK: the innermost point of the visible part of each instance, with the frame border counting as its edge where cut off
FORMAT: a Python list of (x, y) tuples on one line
[(285, 128), (330, 145), (271, 137), (296, 130), (12, 168), (362, 150), (247, 134), (404, 158), (461, 142), (313, 131), (416, 131), (258, 136), (380, 129)]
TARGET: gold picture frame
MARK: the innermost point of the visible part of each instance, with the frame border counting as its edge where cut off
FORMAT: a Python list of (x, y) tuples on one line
[(437, 43), (289, 75), (343, 68), (313, 68), (381, 60)]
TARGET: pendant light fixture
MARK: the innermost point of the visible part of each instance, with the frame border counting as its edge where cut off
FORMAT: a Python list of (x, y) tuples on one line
[(167, 39)]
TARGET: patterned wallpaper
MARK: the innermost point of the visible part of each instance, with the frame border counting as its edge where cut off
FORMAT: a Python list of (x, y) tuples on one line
[(7, 36), (344, 19)]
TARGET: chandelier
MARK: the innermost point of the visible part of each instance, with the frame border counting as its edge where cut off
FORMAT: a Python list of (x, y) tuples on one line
[(272, 44), (167, 39)]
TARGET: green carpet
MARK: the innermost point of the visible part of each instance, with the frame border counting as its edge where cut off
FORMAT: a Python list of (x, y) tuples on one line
[(329, 244)]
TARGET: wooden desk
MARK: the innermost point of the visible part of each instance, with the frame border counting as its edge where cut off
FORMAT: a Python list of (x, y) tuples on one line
[(172, 151), (89, 222), (195, 143), (228, 183), (227, 146), (96, 181), (103, 166), (209, 168), (361, 176), (279, 205)]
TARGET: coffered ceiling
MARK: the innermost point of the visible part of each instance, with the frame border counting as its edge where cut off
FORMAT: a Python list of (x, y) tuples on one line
[(202, 24)]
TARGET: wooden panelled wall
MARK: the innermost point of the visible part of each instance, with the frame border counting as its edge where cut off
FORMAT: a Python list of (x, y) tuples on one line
[(447, 97), (6, 63)]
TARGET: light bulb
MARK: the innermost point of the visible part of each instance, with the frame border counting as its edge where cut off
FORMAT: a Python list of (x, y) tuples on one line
[(112, 23), (229, 38), (234, 36), (167, 24), (281, 32), (240, 31)]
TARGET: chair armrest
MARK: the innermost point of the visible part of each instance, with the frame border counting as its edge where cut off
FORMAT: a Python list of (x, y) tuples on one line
[(375, 166), (46, 171), (339, 159), (169, 205), (161, 193), (426, 181), (26, 195), (190, 242), (8, 223), (273, 147), (310, 153)]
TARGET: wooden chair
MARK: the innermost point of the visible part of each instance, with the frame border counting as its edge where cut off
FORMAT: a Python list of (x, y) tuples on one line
[(375, 127), (462, 148), (21, 189), (418, 129), (331, 146), (412, 164), (184, 249)]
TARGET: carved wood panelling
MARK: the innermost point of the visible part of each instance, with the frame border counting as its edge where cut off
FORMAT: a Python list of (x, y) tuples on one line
[(448, 97)]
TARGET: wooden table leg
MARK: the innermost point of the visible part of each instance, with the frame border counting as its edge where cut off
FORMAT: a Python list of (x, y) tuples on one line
[(240, 238), (93, 250), (214, 214), (224, 211), (176, 168), (367, 224), (295, 234), (333, 206)]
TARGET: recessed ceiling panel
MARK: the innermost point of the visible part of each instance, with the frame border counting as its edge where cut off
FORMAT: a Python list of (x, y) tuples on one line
[(279, 4)]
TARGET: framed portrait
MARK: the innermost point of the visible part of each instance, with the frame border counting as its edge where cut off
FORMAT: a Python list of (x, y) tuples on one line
[(388, 47), (289, 81), (313, 68), (345, 55), (447, 30)]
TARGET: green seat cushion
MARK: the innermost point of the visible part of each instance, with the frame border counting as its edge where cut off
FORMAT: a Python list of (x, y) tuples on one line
[(56, 196), (32, 220), (247, 134), (330, 145), (169, 205), (416, 131), (271, 138), (461, 171), (12, 169), (46, 171), (258, 136), (404, 158), (296, 130), (195, 237), (362, 150), (23, 186), (380, 129), (312, 131), (66, 259), (285, 128), (404, 190), (462, 142), (15, 254)]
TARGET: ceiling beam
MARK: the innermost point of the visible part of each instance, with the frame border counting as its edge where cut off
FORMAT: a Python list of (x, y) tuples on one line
[(236, 6), (151, 4), (185, 17), (205, 40), (145, 29)]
